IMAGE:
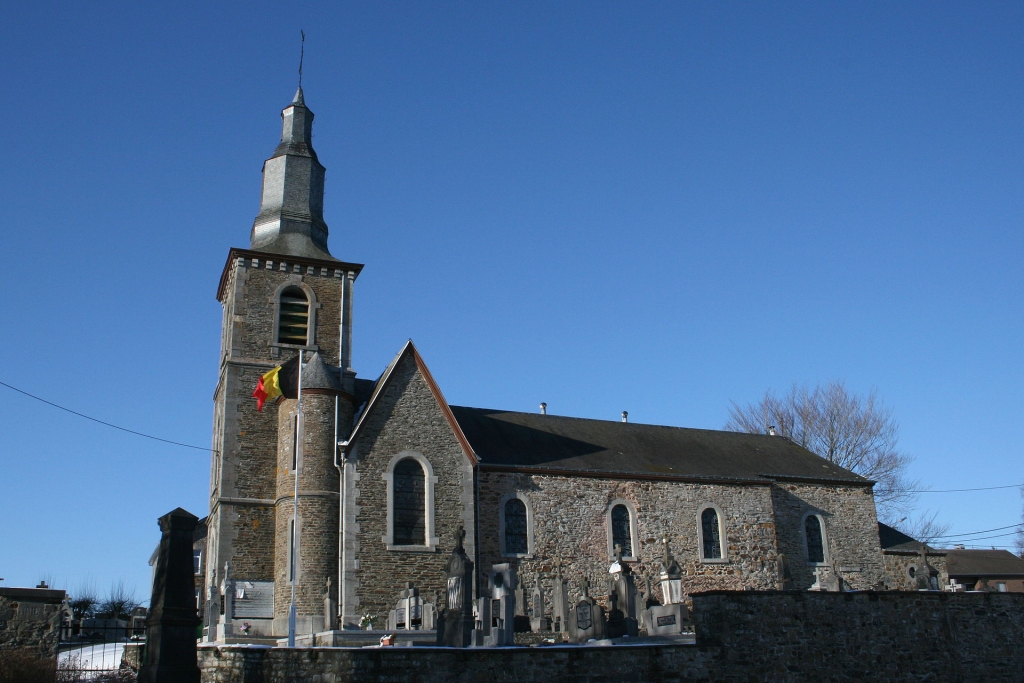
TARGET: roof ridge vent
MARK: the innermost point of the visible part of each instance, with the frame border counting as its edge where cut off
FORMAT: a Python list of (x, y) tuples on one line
[(543, 408), (625, 416)]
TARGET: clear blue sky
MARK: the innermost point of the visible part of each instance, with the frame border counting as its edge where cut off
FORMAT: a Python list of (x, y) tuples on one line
[(652, 207)]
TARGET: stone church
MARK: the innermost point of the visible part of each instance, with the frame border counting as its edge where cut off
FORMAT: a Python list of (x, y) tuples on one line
[(389, 471)]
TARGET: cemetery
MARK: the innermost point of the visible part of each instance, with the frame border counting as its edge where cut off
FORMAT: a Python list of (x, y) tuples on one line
[(654, 633)]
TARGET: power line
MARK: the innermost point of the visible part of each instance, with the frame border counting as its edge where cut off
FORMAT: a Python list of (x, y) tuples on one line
[(123, 429), (972, 533), (984, 488)]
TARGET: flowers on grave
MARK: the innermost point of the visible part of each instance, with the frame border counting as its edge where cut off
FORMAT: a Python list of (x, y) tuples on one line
[(366, 621), (245, 627)]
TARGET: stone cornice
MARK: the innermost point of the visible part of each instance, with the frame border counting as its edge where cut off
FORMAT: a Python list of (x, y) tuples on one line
[(284, 263)]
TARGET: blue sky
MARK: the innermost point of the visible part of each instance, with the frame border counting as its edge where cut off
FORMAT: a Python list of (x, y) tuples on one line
[(652, 207)]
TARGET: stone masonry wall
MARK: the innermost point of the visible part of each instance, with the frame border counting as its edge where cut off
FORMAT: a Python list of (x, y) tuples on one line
[(897, 564), (741, 637), (29, 624), (851, 531), (318, 506), (243, 490), (570, 523), (407, 418)]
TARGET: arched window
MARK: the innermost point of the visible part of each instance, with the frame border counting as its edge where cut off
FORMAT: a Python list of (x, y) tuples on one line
[(711, 538), (814, 536), (622, 533), (409, 511), (711, 535), (293, 319), (517, 539)]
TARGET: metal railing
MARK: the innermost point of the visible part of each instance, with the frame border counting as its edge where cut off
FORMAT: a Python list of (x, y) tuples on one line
[(101, 650)]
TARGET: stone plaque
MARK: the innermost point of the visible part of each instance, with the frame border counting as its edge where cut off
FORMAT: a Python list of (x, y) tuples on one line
[(584, 619), (667, 620), (254, 600)]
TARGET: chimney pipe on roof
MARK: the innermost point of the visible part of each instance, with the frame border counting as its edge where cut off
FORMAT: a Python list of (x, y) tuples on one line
[(625, 416), (771, 430), (543, 408)]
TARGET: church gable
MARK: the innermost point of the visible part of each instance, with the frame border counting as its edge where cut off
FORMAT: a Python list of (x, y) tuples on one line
[(415, 484)]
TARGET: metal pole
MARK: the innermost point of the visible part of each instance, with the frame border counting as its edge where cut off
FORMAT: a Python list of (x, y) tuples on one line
[(294, 562)]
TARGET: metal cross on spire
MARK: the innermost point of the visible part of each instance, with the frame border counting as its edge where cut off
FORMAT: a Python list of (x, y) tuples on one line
[(302, 54)]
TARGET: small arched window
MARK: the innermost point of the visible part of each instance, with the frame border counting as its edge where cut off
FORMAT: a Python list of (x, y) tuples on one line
[(622, 533), (815, 539), (293, 321), (711, 534), (517, 540), (409, 513)]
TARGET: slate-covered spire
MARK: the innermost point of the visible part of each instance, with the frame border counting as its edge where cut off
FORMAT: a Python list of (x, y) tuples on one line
[(291, 218)]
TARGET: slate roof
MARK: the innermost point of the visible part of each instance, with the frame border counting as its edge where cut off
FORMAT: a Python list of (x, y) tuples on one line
[(531, 440), (894, 539), (983, 563)]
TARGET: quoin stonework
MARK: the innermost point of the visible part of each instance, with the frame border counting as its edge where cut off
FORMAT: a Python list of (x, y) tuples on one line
[(389, 471)]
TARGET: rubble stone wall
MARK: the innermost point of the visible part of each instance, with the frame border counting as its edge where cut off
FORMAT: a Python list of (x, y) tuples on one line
[(407, 419), (782, 637), (570, 523), (851, 531), (897, 569), (29, 624)]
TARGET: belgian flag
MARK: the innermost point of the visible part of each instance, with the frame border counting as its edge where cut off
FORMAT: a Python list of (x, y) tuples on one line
[(281, 381)]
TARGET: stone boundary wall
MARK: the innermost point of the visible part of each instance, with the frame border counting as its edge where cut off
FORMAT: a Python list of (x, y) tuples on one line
[(30, 622), (741, 637)]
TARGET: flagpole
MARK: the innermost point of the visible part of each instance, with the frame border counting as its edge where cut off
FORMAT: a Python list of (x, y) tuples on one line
[(294, 560)]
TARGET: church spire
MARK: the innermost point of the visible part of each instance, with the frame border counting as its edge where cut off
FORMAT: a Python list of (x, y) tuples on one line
[(291, 217)]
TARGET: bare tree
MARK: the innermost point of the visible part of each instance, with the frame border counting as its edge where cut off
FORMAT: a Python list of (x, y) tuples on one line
[(925, 528), (120, 601), (857, 433), (83, 600), (1019, 540)]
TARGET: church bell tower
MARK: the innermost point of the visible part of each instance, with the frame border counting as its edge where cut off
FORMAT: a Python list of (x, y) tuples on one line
[(284, 295)]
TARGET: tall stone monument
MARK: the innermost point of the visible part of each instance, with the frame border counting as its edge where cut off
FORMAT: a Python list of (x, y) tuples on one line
[(672, 617), (455, 627), (172, 622), (559, 601)]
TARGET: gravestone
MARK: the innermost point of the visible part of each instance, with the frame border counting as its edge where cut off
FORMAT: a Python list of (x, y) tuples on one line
[(826, 580), (927, 576), (586, 618), (227, 605), (171, 625), (411, 613), (498, 608), (538, 622), (622, 598), (559, 601), (673, 617), (455, 627), (330, 608), (785, 573)]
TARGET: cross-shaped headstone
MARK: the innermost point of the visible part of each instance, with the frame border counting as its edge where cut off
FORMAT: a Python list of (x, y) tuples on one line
[(584, 586), (618, 553)]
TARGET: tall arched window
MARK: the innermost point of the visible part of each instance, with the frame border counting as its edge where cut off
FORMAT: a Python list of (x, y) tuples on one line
[(409, 511), (293, 321), (815, 538), (622, 533), (711, 535), (517, 539)]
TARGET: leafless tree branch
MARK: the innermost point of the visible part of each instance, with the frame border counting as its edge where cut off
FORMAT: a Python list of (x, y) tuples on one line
[(857, 433)]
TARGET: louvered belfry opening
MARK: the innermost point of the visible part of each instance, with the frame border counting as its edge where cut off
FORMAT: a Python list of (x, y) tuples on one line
[(409, 503), (293, 327)]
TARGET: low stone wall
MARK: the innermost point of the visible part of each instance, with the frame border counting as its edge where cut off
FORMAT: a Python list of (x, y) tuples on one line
[(741, 637), (30, 620)]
